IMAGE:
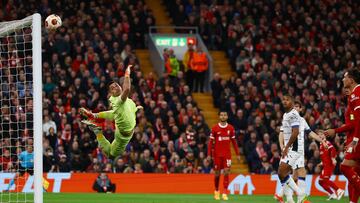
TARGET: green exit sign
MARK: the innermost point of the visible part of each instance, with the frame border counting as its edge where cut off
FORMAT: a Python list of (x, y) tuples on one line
[(171, 41)]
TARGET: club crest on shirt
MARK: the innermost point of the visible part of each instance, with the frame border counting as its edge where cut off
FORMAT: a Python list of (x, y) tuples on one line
[(353, 97), (228, 132), (352, 117)]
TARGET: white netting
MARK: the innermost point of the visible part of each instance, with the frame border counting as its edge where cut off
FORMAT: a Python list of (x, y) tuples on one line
[(16, 118)]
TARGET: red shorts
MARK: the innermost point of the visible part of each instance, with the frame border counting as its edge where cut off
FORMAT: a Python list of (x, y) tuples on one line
[(222, 162), (353, 155), (327, 172)]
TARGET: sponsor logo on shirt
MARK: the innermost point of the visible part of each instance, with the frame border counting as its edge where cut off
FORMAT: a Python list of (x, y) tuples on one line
[(353, 98), (221, 138)]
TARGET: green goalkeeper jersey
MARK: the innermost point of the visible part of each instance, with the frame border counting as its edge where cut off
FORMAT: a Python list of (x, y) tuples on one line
[(124, 113)]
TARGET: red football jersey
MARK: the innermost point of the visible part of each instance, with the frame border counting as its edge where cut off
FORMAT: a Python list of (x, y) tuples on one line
[(349, 119), (220, 137), (326, 155), (354, 104)]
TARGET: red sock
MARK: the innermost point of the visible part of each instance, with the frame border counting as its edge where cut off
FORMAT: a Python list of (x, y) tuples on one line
[(351, 175), (226, 183), (325, 185), (217, 180), (356, 193), (351, 192), (332, 185)]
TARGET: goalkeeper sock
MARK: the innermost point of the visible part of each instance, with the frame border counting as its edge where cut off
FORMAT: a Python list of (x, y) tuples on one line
[(11, 183), (109, 115), (217, 180), (103, 143), (119, 144)]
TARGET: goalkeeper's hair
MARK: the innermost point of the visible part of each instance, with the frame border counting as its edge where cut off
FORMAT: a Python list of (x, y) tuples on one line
[(354, 74)]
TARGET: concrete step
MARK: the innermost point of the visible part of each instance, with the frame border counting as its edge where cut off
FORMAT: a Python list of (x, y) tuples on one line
[(218, 54), (160, 14)]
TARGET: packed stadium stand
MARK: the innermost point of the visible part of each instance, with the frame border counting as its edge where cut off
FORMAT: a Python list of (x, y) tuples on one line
[(263, 49)]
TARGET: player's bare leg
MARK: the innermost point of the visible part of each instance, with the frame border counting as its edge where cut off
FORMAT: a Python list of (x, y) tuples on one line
[(217, 181)]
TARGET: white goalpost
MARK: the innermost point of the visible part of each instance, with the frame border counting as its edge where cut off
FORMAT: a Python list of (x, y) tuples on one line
[(21, 147)]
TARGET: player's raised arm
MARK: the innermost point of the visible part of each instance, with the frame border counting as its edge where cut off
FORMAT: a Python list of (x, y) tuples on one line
[(127, 84)]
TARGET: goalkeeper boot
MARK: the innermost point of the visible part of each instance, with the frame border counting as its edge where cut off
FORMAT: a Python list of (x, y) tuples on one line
[(225, 197), (93, 126), (217, 195), (87, 113)]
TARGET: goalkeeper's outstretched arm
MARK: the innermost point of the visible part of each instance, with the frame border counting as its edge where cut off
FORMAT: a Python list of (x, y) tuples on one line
[(127, 84)]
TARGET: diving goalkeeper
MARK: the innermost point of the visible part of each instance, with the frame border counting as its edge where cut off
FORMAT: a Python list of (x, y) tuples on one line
[(123, 113)]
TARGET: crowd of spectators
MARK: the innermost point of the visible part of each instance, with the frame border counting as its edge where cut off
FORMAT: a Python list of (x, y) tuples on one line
[(298, 47), (94, 45)]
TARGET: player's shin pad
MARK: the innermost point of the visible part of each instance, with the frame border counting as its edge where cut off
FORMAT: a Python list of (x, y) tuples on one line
[(104, 144)]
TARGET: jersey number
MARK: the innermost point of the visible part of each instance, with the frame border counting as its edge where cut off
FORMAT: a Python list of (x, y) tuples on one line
[(228, 162)]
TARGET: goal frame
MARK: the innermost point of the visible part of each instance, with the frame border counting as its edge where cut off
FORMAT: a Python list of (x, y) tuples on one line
[(12, 26)]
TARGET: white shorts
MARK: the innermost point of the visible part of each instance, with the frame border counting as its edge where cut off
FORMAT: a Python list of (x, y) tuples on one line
[(294, 159)]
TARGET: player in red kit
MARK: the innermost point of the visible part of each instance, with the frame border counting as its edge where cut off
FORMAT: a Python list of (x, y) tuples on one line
[(219, 149), (328, 159), (349, 166), (347, 128)]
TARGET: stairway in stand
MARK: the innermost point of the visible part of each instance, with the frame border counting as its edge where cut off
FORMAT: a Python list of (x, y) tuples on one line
[(161, 15), (162, 19), (222, 66), (143, 56), (204, 100)]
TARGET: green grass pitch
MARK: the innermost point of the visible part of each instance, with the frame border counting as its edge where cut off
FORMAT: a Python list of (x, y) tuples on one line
[(146, 198)]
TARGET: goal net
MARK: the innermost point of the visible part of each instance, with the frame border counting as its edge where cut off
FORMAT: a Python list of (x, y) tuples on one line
[(21, 110)]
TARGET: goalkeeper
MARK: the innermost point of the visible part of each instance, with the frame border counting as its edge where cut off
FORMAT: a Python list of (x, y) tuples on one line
[(123, 113)]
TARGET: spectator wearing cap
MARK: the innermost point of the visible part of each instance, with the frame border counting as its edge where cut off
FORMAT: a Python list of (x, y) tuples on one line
[(199, 65)]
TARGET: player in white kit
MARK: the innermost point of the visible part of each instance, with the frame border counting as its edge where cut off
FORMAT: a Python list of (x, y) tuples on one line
[(298, 165), (293, 151)]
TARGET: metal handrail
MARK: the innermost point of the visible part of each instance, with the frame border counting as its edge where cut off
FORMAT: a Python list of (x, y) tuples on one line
[(151, 28)]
